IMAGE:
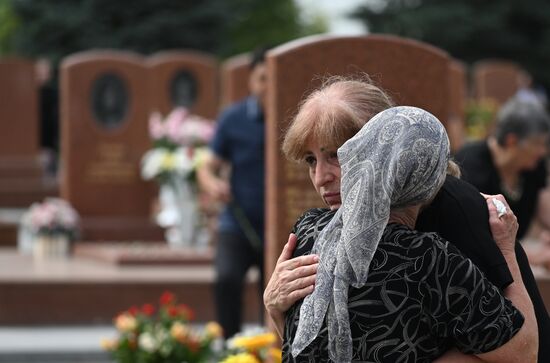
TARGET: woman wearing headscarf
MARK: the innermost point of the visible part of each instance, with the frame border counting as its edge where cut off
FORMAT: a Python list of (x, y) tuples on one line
[(385, 292), (330, 116)]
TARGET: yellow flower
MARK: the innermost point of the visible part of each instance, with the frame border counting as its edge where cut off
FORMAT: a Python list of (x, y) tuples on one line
[(108, 344), (179, 331), (275, 355), (125, 323), (255, 342), (168, 161), (241, 358), (213, 330)]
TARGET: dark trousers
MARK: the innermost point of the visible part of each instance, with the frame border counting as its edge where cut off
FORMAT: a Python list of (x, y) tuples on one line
[(234, 256)]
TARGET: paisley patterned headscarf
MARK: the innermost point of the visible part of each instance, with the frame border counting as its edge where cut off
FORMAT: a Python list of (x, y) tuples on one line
[(398, 159)]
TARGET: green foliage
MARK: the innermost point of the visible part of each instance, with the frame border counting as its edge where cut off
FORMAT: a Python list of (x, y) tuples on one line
[(471, 29), (59, 27), (262, 22), (8, 24), (56, 28)]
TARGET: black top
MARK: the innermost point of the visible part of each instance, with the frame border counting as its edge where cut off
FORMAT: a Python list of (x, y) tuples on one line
[(460, 215), (478, 169), (422, 297)]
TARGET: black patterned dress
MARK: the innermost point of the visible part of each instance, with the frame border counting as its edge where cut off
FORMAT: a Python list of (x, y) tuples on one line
[(421, 298)]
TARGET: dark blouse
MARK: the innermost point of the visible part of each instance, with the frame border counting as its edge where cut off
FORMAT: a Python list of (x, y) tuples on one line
[(477, 166), (421, 298), (459, 214)]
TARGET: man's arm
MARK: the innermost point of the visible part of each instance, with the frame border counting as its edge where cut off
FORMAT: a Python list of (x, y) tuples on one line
[(211, 179)]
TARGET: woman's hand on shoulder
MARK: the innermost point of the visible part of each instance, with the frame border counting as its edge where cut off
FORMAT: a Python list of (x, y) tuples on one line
[(504, 224), (292, 279)]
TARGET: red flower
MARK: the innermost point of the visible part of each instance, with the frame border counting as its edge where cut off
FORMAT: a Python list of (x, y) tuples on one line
[(186, 312), (193, 345), (148, 309), (167, 298), (172, 311), (133, 310)]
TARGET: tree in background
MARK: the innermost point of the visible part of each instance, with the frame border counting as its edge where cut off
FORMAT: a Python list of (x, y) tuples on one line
[(56, 28), (471, 30), (8, 24)]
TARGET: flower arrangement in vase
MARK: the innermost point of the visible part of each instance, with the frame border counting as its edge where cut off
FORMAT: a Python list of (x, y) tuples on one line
[(49, 227), (179, 147)]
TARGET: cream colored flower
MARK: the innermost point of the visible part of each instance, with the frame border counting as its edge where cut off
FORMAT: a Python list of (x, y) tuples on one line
[(179, 331), (125, 323), (213, 330), (147, 342), (108, 344)]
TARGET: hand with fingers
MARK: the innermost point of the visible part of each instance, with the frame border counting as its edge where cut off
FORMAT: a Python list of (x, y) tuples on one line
[(502, 221), (292, 280)]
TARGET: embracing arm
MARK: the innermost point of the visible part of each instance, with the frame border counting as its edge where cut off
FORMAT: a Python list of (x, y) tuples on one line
[(523, 347), (292, 280), (208, 175)]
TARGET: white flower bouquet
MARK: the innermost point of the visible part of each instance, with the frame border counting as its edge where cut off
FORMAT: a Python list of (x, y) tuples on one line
[(179, 145)]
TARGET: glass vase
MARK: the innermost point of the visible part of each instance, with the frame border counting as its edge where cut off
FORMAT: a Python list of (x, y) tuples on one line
[(178, 212), (50, 246)]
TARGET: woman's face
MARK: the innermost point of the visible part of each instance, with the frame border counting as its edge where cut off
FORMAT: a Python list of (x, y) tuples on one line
[(531, 151), (324, 172)]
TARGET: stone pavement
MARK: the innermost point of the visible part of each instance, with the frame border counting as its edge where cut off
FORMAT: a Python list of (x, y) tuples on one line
[(59, 344)]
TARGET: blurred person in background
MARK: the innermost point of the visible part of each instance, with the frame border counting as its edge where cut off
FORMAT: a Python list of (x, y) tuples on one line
[(512, 162), (233, 174), (49, 113)]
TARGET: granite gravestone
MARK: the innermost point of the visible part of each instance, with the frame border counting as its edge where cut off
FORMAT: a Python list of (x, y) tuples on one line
[(104, 111), (412, 72), (458, 93), (184, 78), (496, 80), (234, 79), (21, 173)]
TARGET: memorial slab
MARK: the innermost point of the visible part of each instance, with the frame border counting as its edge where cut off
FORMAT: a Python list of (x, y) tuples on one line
[(105, 105), (184, 78), (413, 73), (234, 79)]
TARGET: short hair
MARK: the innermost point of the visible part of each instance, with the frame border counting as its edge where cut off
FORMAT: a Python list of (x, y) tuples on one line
[(333, 114), (521, 118), (258, 56)]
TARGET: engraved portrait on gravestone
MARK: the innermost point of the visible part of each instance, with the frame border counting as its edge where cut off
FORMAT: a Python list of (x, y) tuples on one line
[(110, 100), (183, 89)]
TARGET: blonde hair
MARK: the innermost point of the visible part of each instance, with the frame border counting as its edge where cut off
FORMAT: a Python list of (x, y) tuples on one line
[(333, 114), (453, 169)]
